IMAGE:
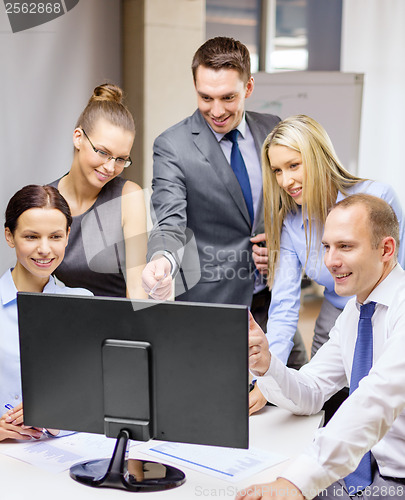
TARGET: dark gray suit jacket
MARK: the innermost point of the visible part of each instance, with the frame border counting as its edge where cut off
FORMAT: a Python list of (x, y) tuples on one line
[(201, 214)]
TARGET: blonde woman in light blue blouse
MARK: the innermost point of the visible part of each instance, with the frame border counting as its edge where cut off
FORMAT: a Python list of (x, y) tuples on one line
[(302, 180)]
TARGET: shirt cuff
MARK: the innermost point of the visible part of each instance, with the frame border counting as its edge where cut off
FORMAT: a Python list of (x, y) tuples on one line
[(276, 367), (170, 258), (308, 476), (268, 383)]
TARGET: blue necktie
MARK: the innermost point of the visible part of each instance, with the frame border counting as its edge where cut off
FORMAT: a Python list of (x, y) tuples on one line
[(239, 168), (362, 361)]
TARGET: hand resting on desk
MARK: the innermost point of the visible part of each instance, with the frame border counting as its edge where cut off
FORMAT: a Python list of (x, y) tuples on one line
[(12, 426), (281, 489)]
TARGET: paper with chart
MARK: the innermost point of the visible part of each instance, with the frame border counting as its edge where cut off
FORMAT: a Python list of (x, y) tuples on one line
[(231, 464), (59, 454)]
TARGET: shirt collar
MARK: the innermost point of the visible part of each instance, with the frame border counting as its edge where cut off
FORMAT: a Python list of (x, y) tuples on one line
[(8, 290), (387, 290), (51, 285), (241, 127)]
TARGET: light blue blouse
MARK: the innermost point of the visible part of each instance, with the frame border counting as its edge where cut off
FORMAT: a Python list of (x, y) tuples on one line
[(10, 376), (286, 291)]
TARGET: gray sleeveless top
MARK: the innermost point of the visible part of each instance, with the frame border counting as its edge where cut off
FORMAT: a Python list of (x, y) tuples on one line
[(95, 255)]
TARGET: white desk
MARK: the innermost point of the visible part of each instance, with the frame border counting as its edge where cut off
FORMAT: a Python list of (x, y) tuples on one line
[(272, 429)]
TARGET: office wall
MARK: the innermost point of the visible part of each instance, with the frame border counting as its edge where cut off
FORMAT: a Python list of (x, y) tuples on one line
[(290, 93), (47, 76), (373, 43), (160, 38)]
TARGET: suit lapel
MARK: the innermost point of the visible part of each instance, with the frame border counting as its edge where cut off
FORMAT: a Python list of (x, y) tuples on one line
[(259, 133), (208, 145)]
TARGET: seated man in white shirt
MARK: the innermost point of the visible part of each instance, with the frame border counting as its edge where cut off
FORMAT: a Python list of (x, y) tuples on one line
[(361, 246)]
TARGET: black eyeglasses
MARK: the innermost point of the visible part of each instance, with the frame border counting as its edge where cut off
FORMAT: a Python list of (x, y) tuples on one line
[(105, 157)]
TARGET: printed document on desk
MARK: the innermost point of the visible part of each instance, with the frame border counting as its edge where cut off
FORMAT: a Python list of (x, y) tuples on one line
[(230, 464), (58, 454)]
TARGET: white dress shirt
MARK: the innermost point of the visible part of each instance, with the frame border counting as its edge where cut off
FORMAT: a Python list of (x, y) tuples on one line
[(10, 375), (372, 417)]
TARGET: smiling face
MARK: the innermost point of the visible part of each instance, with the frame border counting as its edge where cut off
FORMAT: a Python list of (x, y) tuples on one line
[(286, 164), (114, 141), (356, 265), (221, 97), (39, 240)]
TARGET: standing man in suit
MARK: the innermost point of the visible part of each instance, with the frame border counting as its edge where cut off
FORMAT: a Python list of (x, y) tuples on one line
[(207, 189)]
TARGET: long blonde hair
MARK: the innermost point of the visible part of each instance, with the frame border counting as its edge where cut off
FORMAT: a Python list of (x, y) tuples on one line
[(323, 177)]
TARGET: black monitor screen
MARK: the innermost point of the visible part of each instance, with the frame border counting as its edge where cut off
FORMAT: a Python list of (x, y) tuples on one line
[(165, 370)]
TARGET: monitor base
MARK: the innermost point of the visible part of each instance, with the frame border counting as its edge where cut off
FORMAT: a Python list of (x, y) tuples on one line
[(127, 474)]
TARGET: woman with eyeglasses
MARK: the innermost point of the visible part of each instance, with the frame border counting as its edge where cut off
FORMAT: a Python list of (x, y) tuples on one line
[(37, 227), (107, 246)]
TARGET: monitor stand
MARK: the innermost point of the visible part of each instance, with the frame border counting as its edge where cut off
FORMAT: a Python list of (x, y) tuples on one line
[(127, 474)]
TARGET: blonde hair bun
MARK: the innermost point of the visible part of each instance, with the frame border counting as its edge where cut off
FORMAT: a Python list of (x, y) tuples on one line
[(107, 92), (107, 102)]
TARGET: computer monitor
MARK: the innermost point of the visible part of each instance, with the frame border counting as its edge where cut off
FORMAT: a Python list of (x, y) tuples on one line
[(133, 369)]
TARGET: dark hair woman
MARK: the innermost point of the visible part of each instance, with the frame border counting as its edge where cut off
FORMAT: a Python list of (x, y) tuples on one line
[(37, 227)]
